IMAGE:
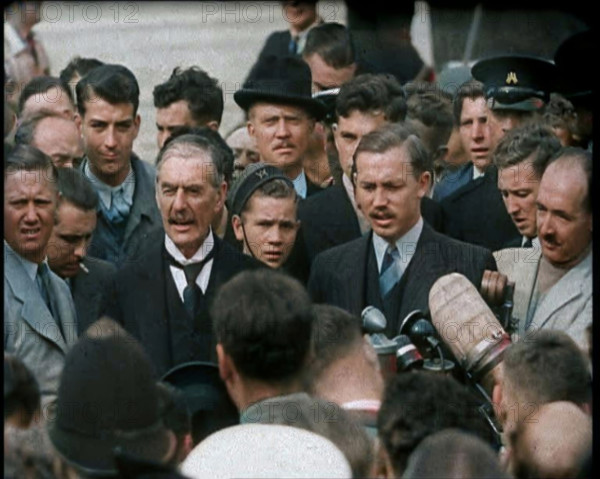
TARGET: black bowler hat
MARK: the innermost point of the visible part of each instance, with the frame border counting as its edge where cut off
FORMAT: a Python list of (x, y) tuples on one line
[(208, 402), (516, 82), (253, 177), (107, 399), (285, 80), (571, 55)]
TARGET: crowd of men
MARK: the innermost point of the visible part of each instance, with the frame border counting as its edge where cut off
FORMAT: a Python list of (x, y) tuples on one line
[(202, 313)]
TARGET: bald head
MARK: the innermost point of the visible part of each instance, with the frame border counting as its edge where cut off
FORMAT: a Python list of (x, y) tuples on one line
[(60, 139), (555, 444)]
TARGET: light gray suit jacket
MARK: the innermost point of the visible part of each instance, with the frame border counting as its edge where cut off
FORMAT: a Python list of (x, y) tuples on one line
[(567, 306), (30, 332)]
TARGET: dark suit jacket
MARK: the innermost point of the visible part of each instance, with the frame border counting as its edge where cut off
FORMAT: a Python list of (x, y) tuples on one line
[(277, 44), (475, 213), (89, 290), (138, 299), (329, 219), (338, 275), (453, 180)]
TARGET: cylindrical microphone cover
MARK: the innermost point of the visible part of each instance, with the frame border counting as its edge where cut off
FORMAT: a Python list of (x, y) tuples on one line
[(407, 355), (466, 324), (373, 320)]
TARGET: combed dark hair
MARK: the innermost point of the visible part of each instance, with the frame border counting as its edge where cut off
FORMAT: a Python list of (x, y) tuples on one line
[(391, 136), (546, 367), (520, 143), (430, 108), (263, 319), (41, 85), (26, 131), (75, 188), (21, 390), (335, 333), (29, 158), (418, 404), (582, 158), (332, 42), (202, 93), (112, 83), (78, 66), (370, 92), (472, 89), (225, 153)]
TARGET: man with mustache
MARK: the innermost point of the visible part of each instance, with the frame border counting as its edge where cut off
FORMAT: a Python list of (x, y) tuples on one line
[(163, 299), (394, 266), (558, 286)]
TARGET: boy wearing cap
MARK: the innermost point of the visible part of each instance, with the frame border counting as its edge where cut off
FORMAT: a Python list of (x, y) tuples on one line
[(264, 219)]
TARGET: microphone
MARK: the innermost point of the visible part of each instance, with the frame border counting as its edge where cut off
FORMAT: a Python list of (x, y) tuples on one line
[(407, 355), (468, 327), (373, 320)]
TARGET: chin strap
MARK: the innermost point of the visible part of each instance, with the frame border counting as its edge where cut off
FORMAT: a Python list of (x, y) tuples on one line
[(246, 242)]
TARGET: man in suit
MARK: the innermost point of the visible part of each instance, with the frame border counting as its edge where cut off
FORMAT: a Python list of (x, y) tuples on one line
[(188, 98), (394, 267), (555, 290), (74, 224), (163, 299), (281, 116), (521, 158), (39, 315), (363, 105), (107, 100)]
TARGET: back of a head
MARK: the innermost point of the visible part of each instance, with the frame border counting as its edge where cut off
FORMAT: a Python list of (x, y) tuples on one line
[(263, 319), (74, 187), (370, 92), (108, 374), (202, 93), (418, 404), (521, 143), (39, 86), (326, 419), (21, 392), (556, 445), (545, 368), (332, 42), (265, 451), (114, 84), (454, 454), (29, 158), (78, 66)]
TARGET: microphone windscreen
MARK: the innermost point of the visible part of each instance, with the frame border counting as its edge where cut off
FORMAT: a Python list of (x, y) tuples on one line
[(373, 320), (466, 324)]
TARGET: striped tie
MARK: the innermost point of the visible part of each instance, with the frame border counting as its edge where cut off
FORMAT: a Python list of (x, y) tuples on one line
[(390, 271)]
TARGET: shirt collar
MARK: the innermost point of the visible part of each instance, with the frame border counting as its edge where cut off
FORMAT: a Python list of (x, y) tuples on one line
[(535, 242), (199, 255), (477, 173), (406, 245), (300, 184), (30, 267), (14, 41), (105, 191)]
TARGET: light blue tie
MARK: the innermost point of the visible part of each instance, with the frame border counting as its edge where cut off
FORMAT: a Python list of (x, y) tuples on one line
[(390, 270), (119, 208)]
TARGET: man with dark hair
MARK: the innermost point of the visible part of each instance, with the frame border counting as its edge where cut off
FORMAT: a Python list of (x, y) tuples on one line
[(39, 314), (363, 104), (74, 224), (281, 116), (164, 298), (345, 368), (53, 134), (76, 69), (556, 287), (394, 266), (521, 158), (419, 404), (107, 100), (544, 368), (330, 55), (188, 98), (263, 321), (47, 93), (263, 207)]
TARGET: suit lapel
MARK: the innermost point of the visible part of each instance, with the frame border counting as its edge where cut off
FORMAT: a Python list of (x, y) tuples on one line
[(352, 277)]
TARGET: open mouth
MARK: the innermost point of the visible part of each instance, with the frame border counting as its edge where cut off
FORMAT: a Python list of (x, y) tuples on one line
[(30, 232)]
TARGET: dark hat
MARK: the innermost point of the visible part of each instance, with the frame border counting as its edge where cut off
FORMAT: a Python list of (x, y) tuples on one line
[(516, 82), (252, 178), (570, 56), (107, 399), (284, 80), (208, 402)]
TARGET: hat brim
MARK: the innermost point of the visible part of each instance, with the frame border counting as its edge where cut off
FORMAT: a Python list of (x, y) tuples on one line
[(95, 455), (246, 97)]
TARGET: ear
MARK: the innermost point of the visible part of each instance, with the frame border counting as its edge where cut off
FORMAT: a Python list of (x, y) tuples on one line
[(497, 401), (236, 222), (250, 127), (77, 120), (225, 364), (222, 195), (424, 182), (136, 124), (371, 354), (213, 125)]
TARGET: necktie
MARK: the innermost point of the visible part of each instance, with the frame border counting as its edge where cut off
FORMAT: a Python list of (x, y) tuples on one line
[(119, 208), (528, 243), (43, 283), (192, 294), (293, 45), (390, 270)]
